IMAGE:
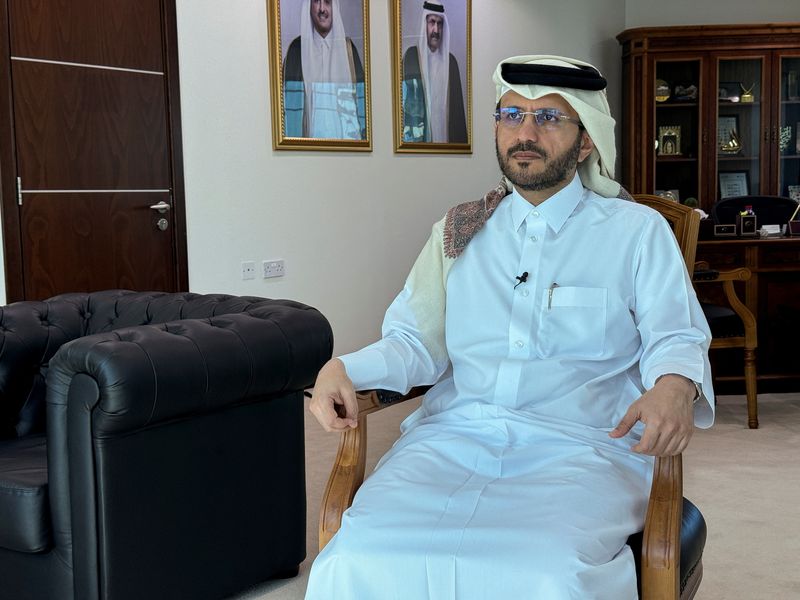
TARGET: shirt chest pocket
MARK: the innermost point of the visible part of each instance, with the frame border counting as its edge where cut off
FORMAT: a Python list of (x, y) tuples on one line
[(572, 322)]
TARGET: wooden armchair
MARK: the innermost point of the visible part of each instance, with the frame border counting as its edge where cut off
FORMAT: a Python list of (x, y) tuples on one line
[(732, 326), (669, 565)]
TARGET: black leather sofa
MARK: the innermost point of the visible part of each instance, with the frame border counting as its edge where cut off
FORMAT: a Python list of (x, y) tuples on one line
[(151, 444)]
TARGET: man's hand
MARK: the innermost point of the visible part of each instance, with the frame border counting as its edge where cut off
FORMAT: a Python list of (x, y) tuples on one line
[(668, 414), (333, 388)]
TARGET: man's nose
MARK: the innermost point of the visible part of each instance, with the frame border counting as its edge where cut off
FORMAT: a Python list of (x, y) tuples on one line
[(528, 129)]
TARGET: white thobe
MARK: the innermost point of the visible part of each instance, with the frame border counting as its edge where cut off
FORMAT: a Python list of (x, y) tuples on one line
[(504, 483)]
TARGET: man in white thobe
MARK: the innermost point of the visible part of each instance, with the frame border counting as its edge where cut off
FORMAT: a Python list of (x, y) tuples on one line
[(567, 348), (433, 103), (323, 77)]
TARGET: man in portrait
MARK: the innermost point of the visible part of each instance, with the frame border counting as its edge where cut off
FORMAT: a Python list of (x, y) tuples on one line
[(433, 101), (323, 77)]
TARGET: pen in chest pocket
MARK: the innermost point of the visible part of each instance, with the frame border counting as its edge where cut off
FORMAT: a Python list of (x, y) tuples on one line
[(550, 291)]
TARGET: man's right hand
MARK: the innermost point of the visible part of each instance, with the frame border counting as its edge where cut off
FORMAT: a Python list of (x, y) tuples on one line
[(333, 389)]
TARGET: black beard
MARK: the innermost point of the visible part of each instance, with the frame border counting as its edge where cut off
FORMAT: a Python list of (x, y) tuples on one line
[(555, 172)]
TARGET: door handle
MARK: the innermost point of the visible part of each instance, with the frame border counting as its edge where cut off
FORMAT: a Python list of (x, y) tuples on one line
[(161, 207)]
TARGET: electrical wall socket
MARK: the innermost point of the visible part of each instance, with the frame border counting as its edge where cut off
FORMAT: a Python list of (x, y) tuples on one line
[(248, 269), (274, 268)]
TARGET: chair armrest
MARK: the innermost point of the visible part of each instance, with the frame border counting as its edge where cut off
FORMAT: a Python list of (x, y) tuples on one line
[(727, 278), (705, 275), (661, 543), (347, 473), (374, 400)]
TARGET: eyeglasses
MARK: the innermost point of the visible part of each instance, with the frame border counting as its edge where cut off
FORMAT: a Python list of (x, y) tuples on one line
[(547, 119)]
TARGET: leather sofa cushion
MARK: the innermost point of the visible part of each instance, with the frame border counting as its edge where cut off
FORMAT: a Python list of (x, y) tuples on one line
[(24, 505)]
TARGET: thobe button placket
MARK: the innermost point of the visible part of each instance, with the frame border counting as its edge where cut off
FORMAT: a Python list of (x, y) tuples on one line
[(519, 344)]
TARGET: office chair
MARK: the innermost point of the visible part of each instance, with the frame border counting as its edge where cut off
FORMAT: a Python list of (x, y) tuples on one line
[(670, 549)]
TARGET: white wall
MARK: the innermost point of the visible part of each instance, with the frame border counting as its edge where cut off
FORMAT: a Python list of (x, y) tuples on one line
[(349, 225), (653, 13)]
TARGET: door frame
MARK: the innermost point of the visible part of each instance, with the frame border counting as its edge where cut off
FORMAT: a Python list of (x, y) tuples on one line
[(9, 208)]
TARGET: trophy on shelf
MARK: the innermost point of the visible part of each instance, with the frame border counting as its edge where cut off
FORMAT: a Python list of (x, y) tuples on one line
[(733, 145), (662, 90), (747, 93)]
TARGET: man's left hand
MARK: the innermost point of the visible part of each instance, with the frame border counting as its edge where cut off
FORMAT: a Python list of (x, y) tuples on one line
[(667, 412)]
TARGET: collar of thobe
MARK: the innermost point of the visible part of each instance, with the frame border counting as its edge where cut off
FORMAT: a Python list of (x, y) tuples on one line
[(555, 210), (319, 41)]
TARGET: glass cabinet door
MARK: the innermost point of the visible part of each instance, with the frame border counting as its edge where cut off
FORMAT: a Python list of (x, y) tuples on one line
[(677, 132), (740, 127), (788, 137)]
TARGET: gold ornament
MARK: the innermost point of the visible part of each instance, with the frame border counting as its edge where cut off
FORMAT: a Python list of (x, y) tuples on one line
[(747, 93), (732, 146)]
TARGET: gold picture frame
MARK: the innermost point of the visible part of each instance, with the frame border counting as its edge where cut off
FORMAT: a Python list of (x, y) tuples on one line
[(414, 129), (669, 140), (341, 117)]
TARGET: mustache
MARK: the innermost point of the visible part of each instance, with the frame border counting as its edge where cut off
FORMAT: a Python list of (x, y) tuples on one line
[(527, 147)]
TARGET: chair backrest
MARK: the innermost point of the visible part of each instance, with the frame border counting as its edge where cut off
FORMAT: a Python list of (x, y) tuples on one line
[(770, 210), (685, 223)]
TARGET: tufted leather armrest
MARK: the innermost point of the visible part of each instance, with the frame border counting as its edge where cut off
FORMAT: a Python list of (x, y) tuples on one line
[(153, 373), (32, 332)]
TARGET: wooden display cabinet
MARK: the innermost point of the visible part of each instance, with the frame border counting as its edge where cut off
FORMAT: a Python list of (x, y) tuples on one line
[(711, 111)]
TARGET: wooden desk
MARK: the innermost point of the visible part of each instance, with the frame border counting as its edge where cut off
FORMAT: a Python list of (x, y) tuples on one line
[(773, 295)]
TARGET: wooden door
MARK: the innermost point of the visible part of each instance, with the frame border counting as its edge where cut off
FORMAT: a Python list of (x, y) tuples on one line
[(91, 148)]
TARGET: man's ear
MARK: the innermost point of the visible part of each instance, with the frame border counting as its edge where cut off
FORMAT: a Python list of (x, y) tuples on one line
[(587, 145)]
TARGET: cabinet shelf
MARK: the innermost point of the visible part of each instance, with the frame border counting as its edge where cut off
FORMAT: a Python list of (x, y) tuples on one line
[(675, 159), (728, 158), (739, 104), (790, 157), (676, 105)]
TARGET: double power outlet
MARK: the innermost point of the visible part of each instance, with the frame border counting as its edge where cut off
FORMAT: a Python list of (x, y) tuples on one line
[(269, 269)]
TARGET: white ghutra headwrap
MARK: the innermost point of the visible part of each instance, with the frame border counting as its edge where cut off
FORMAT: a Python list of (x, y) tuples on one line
[(583, 87)]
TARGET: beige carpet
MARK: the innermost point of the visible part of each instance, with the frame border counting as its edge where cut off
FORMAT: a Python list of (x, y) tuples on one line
[(746, 483)]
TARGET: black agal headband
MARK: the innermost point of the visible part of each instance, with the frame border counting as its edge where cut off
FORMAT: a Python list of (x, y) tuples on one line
[(581, 78), (434, 7)]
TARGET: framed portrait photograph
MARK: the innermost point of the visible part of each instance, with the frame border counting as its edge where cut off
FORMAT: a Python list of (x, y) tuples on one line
[(669, 140), (432, 75), (733, 183), (319, 74)]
